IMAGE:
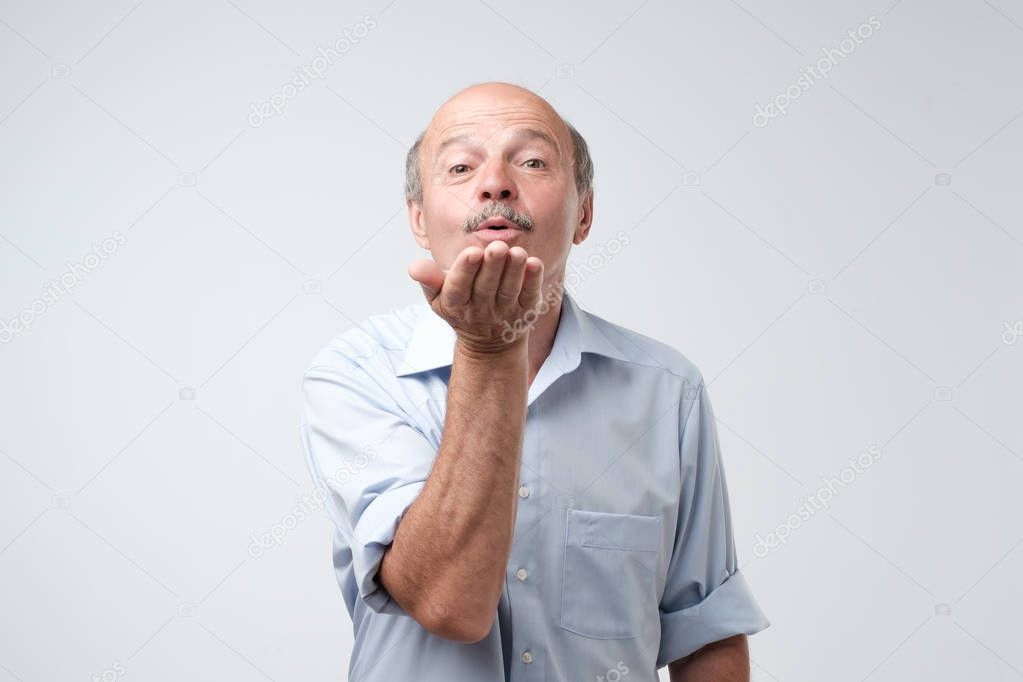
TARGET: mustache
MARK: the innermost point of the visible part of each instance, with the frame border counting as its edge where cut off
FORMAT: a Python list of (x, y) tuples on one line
[(502, 210)]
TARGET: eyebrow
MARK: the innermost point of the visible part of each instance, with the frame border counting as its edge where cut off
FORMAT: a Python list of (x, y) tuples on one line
[(527, 133)]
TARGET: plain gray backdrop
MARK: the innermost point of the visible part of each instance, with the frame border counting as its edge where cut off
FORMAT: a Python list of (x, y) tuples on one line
[(848, 275)]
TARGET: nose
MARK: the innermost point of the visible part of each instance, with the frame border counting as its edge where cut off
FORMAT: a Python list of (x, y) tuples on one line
[(496, 184)]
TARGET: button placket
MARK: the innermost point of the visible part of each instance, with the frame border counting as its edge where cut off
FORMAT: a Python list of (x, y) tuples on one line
[(523, 590)]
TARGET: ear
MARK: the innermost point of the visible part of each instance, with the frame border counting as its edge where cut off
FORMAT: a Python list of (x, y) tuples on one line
[(415, 221), (582, 228)]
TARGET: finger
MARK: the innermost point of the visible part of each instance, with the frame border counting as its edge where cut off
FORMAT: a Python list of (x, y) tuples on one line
[(511, 280), (458, 285), (489, 277), (531, 283)]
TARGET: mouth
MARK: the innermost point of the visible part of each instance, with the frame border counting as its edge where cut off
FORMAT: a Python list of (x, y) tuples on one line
[(496, 224)]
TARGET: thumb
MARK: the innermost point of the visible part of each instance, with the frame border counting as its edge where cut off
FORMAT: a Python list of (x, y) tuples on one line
[(429, 275)]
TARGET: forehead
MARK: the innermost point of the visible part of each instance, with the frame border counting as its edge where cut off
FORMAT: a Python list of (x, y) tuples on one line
[(487, 116), (515, 134)]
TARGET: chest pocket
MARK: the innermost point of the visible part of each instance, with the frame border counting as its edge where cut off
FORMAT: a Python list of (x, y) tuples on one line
[(608, 581)]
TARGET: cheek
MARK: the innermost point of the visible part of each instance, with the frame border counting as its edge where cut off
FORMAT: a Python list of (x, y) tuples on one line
[(544, 207), (443, 217)]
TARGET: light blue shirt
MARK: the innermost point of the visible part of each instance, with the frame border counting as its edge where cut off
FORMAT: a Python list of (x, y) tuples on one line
[(623, 557)]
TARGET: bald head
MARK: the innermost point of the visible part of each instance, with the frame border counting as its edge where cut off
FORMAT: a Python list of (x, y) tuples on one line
[(491, 96), (484, 100)]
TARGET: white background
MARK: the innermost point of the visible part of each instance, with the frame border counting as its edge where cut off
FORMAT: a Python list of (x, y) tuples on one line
[(846, 276)]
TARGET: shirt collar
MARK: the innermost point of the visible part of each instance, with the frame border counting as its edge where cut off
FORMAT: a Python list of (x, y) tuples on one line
[(432, 344)]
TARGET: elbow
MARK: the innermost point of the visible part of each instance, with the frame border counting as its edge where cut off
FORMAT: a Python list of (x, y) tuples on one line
[(443, 610), (461, 625)]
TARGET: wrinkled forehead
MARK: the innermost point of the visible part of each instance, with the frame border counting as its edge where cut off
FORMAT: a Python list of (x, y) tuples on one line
[(492, 115)]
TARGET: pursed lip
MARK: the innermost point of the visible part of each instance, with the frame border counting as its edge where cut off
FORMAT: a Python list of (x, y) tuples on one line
[(497, 222)]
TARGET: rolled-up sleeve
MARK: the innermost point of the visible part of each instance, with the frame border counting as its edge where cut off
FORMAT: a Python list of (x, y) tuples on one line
[(368, 463), (705, 598)]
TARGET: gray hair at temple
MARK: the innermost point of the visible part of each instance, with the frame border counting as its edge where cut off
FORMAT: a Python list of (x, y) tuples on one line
[(582, 163)]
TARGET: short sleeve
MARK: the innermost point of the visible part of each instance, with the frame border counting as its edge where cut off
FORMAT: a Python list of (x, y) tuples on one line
[(368, 463), (705, 598)]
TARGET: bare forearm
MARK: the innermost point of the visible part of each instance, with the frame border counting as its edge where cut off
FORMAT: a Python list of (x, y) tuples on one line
[(724, 661), (447, 562)]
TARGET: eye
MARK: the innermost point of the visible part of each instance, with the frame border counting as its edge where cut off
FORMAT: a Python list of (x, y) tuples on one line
[(537, 161), (455, 169)]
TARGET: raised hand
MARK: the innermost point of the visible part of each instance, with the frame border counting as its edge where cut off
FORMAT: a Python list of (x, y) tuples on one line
[(483, 293)]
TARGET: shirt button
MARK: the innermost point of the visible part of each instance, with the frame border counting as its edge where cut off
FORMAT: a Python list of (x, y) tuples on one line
[(524, 491), (527, 657), (521, 574)]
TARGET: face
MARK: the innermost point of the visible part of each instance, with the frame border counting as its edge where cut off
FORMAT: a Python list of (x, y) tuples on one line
[(499, 147)]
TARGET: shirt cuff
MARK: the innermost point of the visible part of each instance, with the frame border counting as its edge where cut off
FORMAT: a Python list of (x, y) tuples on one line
[(729, 610), (372, 535)]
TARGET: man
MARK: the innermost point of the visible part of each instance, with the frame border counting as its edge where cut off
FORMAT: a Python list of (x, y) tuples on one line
[(521, 489)]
